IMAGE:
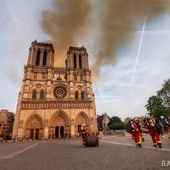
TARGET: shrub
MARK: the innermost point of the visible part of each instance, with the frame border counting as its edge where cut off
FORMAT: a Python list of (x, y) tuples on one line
[(117, 126)]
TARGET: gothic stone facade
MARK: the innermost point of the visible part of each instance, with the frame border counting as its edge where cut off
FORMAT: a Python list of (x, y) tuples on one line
[(55, 101)]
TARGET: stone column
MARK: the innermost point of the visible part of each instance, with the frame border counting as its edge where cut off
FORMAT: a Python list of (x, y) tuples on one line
[(41, 57), (34, 134), (45, 132)]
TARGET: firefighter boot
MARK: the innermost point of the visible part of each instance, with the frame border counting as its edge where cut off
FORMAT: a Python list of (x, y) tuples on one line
[(160, 145)]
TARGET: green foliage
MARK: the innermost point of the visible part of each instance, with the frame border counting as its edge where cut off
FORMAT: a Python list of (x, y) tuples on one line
[(160, 105), (114, 119), (164, 94), (117, 126), (155, 106)]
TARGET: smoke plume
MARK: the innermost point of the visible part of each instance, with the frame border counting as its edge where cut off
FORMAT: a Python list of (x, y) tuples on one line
[(112, 24), (66, 23)]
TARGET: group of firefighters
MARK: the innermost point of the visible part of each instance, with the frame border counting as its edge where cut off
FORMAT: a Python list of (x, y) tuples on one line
[(137, 128), (155, 126)]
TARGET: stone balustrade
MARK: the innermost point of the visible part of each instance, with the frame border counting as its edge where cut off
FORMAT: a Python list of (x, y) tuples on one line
[(55, 104)]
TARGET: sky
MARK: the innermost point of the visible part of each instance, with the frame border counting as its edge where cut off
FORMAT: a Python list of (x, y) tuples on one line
[(128, 42)]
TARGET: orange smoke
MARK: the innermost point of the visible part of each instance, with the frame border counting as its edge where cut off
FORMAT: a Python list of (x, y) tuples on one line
[(66, 24), (112, 24)]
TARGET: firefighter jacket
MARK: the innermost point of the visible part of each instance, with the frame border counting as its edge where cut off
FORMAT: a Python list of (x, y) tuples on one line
[(135, 126)]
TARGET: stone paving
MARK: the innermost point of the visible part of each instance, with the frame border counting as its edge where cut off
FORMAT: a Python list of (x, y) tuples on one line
[(119, 153)]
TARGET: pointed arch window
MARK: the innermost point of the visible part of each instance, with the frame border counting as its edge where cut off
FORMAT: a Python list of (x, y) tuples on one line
[(37, 58), (45, 58), (80, 62), (82, 95), (76, 95), (75, 61), (34, 95), (42, 95)]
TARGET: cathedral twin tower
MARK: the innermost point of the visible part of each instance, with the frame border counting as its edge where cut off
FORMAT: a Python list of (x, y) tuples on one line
[(55, 101)]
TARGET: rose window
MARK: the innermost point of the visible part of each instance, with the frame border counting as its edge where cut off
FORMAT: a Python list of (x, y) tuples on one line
[(60, 92)]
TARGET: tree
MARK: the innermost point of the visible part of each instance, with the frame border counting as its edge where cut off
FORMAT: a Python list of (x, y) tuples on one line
[(114, 119), (117, 126), (116, 123), (155, 106), (164, 94)]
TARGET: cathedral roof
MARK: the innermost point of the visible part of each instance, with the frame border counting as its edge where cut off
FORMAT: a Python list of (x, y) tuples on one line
[(71, 48), (42, 43)]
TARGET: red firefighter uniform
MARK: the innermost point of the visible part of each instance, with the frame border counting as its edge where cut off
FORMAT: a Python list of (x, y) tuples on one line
[(168, 127), (84, 132), (154, 132), (136, 131), (142, 136)]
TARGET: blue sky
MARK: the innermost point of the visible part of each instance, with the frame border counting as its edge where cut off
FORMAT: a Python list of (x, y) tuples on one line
[(122, 90)]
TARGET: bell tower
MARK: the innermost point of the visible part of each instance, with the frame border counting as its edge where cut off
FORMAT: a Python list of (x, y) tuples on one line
[(77, 58), (41, 54)]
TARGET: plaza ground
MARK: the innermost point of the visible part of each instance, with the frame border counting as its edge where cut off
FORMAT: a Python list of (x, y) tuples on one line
[(114, 152)]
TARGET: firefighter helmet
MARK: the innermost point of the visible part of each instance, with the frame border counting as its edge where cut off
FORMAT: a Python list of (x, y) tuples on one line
[(147, 116)]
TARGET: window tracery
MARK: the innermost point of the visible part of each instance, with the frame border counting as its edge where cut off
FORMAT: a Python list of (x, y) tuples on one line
[(82, 95), (80, 62), (45, 58), (34, 95), (76, 95), (75, 61), (37, 58), (42, 95)]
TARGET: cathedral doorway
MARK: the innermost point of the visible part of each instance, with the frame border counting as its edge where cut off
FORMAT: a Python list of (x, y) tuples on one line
[(31, 133), (37, 133), (59, 131), (62, 131), (59, 125), (34, 128), (34, 134)]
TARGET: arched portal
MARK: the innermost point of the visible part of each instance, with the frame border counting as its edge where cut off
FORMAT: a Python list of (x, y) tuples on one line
[(34, 127), (59, 124), (80, 119), (57, 132)]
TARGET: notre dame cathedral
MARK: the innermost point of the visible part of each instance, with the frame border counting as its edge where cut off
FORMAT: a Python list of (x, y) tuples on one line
[(55, 101)]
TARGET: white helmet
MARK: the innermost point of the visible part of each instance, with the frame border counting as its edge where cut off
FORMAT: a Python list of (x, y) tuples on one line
[(162, 117), (136, 119), (147, 115)]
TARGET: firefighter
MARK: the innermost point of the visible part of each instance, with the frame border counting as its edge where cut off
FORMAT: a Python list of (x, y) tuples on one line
[(136, 131), (84, 132), (154, 130)]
